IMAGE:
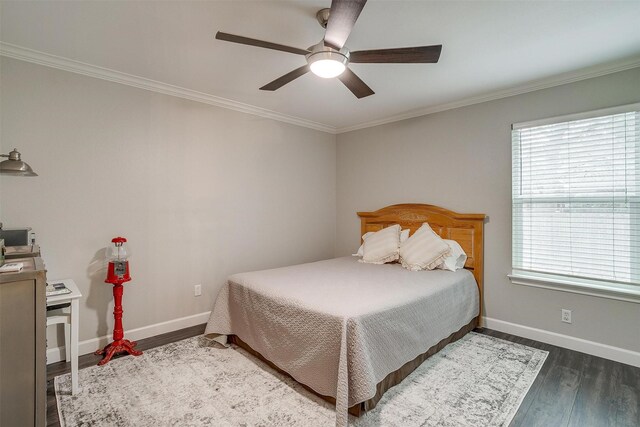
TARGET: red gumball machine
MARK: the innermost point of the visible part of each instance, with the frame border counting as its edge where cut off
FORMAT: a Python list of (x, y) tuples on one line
[(118, 274)]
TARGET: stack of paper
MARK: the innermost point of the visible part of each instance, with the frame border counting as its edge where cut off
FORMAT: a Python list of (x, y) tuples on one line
[(11, 267), (57, 289)]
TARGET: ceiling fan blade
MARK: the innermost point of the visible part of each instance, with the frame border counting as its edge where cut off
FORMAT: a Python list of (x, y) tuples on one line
[(354, 84), (342, 17), (259, 43), (289, 77), (404, 55)]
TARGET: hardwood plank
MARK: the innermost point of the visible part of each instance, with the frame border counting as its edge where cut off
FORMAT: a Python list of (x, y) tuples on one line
[(594, 400), (520, 419), (553, 402), (628, 413)]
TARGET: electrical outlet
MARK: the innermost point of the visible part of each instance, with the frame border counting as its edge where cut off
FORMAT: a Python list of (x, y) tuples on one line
[(197, 290), (566, 316)]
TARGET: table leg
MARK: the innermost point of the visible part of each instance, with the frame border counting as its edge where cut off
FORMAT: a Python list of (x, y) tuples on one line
[(75, 314), (67, 340)]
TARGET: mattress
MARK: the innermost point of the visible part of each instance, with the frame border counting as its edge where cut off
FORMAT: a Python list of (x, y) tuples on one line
[(340, 326)]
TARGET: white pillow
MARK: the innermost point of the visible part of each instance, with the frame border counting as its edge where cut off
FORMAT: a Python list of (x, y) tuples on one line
[(455, 260), (382, 246), (424, 250), (404, 235)]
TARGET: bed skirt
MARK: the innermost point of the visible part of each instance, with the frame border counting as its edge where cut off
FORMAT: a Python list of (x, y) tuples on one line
[(394, 378)]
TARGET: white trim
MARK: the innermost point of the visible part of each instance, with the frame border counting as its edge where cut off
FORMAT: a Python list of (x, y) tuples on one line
[(533, 86), (578, 116), (89, 346), (572, 343), (37, 57), (596, 288), (53, 61)]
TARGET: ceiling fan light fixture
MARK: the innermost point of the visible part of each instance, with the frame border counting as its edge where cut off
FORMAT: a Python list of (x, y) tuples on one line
[(329, 57), (327, 63), (327, 68)]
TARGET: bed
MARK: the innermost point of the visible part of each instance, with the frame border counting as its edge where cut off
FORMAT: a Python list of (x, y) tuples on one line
[(349, 331)]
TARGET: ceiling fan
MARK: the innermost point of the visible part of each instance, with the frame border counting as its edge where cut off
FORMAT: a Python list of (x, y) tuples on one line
[(329, 58)]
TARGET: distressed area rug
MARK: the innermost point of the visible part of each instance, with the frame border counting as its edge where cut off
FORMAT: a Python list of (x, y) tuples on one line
[(476, 381)]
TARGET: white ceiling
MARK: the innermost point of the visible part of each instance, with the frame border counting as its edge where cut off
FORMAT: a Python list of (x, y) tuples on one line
[(487, 46)]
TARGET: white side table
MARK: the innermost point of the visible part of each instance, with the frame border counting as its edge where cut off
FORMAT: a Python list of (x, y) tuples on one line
[(71, 321)]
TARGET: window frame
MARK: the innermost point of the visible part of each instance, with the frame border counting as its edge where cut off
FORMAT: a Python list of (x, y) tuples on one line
[(565, 283)]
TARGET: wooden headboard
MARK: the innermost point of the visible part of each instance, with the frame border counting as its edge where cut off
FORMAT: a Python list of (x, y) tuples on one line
[(466, 229)]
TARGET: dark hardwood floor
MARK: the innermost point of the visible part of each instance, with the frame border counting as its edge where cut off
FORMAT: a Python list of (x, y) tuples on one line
[(572, 389), (578, 390)]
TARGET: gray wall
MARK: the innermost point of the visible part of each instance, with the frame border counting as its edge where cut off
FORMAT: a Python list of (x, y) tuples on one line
[(200, 192), (203, 192), (461, 159)]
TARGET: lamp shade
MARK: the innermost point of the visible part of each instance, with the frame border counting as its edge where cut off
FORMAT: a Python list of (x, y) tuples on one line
[(15, 166)]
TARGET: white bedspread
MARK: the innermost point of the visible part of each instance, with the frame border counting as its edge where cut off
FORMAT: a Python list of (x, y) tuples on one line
[(340, 326)]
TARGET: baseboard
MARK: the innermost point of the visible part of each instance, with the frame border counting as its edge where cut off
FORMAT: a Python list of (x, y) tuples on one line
[(57, 354), (622, 355), (578, 344)]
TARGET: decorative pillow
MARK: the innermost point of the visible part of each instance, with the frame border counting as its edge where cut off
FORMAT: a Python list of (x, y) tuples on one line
[(404, 235), (361, 248), (382, 246), (456, 259), (424, 250)]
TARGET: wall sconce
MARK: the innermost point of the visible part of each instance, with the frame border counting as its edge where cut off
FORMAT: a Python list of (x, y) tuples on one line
[(15, 166)]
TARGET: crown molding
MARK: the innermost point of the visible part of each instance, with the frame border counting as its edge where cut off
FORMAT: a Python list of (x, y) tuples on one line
[(558, 80), (61, 63)]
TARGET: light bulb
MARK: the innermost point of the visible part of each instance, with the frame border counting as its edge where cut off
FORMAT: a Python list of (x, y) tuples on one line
[(327, 68)]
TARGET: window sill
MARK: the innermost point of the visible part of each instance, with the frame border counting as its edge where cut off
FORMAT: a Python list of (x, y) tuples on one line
[(602, 289)]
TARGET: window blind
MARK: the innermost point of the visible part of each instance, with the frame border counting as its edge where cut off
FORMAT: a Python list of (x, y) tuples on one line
[(576, 197)]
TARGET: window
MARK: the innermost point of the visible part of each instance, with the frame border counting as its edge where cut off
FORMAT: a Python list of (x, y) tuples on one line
[(576, 202)]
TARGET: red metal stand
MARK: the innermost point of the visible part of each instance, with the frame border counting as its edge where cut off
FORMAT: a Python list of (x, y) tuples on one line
[(119, 344)]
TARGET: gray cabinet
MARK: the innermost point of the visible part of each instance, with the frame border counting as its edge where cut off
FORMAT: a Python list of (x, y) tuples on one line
[(23, 344)]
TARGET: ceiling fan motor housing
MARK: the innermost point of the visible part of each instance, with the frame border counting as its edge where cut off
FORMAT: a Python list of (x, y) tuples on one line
[(327, 62), (320, 51)]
